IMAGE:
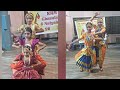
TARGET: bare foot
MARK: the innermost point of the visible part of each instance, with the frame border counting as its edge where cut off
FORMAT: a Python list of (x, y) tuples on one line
[(101, 69), (91, 71), (95, 65), (81, 70)]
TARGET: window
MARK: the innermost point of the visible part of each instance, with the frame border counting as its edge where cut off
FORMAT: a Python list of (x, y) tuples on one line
[(113, 25)]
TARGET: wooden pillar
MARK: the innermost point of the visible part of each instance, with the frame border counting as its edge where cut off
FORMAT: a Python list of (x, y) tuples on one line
[(61, 45)]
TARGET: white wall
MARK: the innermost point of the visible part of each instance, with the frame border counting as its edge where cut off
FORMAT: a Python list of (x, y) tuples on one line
[(78, 14), (91, 13), (17, 19), (69, 28)]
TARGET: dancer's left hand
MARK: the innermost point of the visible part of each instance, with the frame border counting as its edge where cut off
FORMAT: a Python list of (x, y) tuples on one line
[(69, 46)]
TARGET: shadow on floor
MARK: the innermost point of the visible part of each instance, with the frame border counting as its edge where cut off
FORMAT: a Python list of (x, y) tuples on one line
[(95, 70)]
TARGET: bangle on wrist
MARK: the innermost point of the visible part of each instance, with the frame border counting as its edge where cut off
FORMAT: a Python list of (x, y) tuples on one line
[(32, 66)]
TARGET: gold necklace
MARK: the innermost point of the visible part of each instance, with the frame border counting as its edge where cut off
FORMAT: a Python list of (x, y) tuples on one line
[(25, 59)]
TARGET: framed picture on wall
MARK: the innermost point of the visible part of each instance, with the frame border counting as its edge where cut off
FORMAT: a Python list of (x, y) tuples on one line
[(80, 25)]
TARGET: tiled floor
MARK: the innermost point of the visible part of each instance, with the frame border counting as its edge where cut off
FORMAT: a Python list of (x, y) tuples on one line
[(111, 66), (49, 54)]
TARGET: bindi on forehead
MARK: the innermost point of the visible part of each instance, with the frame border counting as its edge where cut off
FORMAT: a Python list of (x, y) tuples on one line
[(29, 17), (100, 22), (89, 26)]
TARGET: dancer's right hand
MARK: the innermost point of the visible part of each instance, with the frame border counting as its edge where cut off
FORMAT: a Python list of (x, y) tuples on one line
[(69, 46), (96, 14), (14, 61), (18, 47), (15, 46)]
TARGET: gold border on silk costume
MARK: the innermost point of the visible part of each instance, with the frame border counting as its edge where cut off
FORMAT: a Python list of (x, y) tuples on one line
[(89, 52)]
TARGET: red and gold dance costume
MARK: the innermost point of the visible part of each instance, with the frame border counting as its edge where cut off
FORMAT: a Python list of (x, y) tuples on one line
[(23, 70), (86, 57), (19, 65), (35, 28), (100, 45)]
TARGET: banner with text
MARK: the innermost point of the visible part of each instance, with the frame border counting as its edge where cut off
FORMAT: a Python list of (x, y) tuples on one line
[(48, 20)]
